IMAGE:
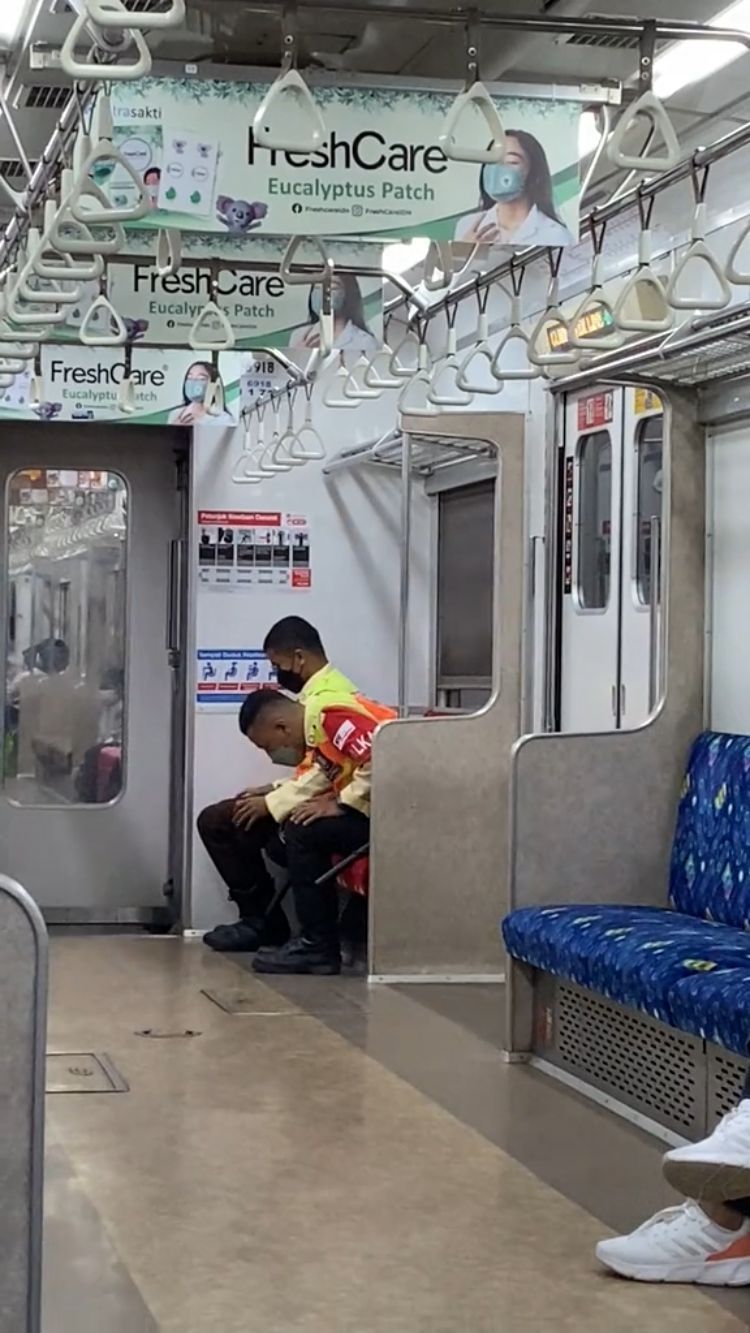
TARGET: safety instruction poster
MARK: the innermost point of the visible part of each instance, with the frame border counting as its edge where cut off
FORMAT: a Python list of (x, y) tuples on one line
[(252, 549), (225, 675)]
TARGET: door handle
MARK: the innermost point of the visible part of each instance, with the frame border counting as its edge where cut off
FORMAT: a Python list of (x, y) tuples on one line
[(173, 633), (654, 608), (622, 700), (614, 701)]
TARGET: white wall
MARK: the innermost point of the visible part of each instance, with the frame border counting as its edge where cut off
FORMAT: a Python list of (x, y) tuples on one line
[(729, 556), (355, 545)]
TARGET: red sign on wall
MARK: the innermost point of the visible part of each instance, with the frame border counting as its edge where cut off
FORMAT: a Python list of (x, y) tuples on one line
[(596, 410), (568, 527)]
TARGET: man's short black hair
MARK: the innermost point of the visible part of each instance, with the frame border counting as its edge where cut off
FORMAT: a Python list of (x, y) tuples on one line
[(257, 703), (293, 632)]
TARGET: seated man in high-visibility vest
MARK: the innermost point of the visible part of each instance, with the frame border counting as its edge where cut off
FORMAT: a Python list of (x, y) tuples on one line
[(303, 822)]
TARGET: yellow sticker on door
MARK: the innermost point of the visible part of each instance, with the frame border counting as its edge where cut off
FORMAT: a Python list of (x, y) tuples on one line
[(646, 401)]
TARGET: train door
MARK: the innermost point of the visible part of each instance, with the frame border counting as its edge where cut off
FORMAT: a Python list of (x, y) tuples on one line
[(590, 620), (610, 553), (93, 681)]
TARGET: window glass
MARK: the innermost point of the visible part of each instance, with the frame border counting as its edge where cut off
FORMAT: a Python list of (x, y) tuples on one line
[(649, 454), (65, 637), (594, 520)]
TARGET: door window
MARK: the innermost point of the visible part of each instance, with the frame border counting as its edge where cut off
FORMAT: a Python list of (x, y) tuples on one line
[(65, 637), (465, 595), (649, 455), (594, 520)]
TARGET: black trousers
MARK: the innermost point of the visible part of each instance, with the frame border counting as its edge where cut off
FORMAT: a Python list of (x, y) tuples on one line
[(306, 850)]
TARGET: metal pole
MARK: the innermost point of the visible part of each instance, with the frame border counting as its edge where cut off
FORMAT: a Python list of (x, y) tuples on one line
[(403, 611), (668, 30)]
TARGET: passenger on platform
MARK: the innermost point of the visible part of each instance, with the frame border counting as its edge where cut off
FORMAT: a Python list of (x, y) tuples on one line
[(304, 821), (707, 1238)]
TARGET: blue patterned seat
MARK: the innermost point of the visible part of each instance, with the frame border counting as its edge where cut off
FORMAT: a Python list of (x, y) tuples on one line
[(715, 1005), (682, 966)]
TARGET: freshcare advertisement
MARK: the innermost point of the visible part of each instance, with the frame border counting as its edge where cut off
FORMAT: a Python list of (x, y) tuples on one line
[(262, 309), (379, 173), (82, 383)]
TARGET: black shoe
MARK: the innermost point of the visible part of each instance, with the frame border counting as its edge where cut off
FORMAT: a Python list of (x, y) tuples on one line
[(303, 957), (250, 934)]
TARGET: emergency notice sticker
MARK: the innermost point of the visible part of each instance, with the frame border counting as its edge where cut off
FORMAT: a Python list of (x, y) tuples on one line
[(252, 549), (226, 675)]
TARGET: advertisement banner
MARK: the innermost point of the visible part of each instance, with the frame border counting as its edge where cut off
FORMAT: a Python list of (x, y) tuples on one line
[(81, 384), (262, 309), (379, 173)]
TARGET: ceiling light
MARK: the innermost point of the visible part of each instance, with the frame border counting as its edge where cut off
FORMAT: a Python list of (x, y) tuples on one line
[(693, 60), (12, 14), (403, 255)]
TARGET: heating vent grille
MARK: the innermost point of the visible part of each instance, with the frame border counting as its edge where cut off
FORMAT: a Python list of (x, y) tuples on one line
[(726, 1076), (651, 1068), (45, 97)]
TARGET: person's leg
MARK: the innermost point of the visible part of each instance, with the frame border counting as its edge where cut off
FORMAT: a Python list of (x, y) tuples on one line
[(688, 1243), (717, 1168), (309, 852), (707, 1239), (238, 856)]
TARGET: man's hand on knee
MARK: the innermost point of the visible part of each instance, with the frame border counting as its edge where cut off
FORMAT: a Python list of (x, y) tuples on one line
[(248, 809), (319, 807)]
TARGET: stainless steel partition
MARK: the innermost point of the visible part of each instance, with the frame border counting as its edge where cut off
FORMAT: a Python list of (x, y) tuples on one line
[(23, 981), (440, 785), (592, 816)]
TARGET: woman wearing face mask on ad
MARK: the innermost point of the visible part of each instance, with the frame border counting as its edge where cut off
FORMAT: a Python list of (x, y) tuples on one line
[(350, 331), (518, 207), (151, 183), (194, 389)]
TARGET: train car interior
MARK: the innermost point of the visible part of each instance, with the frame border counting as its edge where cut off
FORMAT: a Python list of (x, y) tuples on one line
[(375, 759)]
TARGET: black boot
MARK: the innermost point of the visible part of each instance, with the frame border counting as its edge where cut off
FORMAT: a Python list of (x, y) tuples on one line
[(313, 958), (250, 934)]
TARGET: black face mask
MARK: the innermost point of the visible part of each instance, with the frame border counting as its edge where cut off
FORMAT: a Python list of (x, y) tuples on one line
[(290, 680)]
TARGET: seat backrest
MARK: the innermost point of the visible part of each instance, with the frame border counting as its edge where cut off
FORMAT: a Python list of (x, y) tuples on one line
[(710, 869)]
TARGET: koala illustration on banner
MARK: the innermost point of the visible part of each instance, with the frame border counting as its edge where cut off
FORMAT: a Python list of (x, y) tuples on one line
[(238, 215)]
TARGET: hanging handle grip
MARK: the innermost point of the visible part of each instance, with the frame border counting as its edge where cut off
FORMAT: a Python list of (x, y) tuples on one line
[(83, 70), (111, 14)]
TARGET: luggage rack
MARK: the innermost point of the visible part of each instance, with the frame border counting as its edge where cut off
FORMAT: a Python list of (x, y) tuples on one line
[(428, 453), (706, 350)]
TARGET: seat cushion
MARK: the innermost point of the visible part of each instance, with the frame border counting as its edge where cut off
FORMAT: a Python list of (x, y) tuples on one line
[(715, 1004), (710, 868), (634, 955)]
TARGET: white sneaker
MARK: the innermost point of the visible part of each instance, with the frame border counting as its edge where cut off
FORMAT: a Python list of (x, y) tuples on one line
[(681, 1245), (718, 1168)]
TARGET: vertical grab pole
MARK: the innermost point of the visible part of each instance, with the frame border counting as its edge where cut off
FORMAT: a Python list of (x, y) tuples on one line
[(654, 608), (403, 613), (28, 1320)]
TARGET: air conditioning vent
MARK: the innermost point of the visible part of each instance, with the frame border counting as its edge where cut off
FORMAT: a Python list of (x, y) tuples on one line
[(45, 97), (135, 6), (11, 169), (614, 41)]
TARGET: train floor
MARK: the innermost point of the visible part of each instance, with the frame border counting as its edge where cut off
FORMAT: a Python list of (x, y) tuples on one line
[(334, 1158)]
